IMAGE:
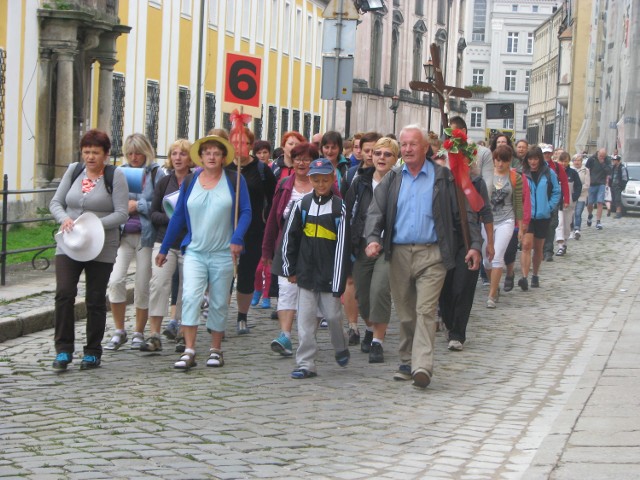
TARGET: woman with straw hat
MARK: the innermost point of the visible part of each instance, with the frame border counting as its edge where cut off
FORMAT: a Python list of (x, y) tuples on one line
[(213, 243)]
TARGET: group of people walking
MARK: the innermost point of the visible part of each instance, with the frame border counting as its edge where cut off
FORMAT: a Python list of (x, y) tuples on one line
[(320, 230)]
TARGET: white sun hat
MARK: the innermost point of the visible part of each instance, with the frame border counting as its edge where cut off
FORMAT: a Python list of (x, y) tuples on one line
[(85, 241)]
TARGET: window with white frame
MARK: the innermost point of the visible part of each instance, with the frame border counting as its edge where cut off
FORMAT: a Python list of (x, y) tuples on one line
[(478, 76), (514, 8), (185, 7), (524, 118), (507, 123), (213, 12), (529, 43), (479, 20), (534, 8), (260, 23), (297, 35), (319, 44), (184, 101), (246, 25), (286, 29), (527, 80), (308, 38), (274, 25), (375, 56), (510, 80), (231, 16), (512, 42), (476, 117)]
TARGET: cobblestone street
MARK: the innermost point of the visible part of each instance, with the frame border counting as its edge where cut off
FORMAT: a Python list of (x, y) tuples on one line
[(506, 407)]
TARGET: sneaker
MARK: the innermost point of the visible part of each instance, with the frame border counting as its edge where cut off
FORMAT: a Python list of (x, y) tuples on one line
[(523, 283), (62, 360), (256, 297), (491, 303), (508, 283), (354, 337), (180, 346), (572, 236), (618, 216), (590, 220), (343, 357), (301, 373), (598, 225), (421, 379), (266, 303), (576, 235), (282, 345), (152, 344), (324, 323), (242, 328), (455, 345), (485, 282), (403, 372), (119, 339), (376, 353), (365, 346), (535, 281), (561, 251), (548, 257), (137, 339), (171, 331), (89, 362), (274, 315)]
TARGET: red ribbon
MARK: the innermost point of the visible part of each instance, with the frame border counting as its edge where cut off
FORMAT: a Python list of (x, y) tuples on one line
[(460, 169), (238, 138)]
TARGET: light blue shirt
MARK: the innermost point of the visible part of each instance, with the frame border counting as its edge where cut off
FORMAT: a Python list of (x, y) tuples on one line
[(414, 219)]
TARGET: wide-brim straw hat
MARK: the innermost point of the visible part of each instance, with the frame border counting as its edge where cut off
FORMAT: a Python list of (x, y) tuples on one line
[(85, 241), (193, 152)]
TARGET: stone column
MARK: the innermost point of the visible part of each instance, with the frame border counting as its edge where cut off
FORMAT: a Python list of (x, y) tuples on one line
[(105, 94), (64, 111), (44, 163)]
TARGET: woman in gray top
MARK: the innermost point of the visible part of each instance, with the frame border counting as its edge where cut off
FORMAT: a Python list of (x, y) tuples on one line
[(105, 196)]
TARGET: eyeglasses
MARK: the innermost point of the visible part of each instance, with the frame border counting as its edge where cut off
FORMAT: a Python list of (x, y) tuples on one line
[(379, 153), (302, 160), (505, 160)]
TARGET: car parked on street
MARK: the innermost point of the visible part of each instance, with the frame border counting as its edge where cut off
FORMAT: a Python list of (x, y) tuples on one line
[(631, 194)]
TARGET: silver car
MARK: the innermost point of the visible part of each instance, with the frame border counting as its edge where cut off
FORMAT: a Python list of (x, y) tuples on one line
[(631, 194)]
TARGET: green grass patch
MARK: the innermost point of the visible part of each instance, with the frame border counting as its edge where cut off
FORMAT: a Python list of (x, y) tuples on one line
[(30, 235)]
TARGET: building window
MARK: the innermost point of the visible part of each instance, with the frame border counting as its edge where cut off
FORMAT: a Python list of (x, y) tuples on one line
[(478, 76), (306, 129), (510, 80), (479, 20), (316, 124), (297, 35), (308, 38), (376, 53), (420, 7), (476, 117), (534, 8), (524, 118), (274, 25), (213, 12), (151, 117), (226, 121), (529, 43), (117, 111), (417, 60), (246, 25), (393, 74), (284, 120), (442, 8), (272, 126), (185, 7), (257, 125), (231, 17), (512, 42), (296, 121), (209, 111), (3, 71), (260, 23), (184, 99), (507, 123), (514, 8), (286, 30), (527, 80)]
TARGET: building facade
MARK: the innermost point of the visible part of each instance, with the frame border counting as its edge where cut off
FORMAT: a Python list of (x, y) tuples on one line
[(499, 61)]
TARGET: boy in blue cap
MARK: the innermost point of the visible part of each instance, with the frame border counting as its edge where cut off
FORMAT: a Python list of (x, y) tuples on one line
[(315, 255)]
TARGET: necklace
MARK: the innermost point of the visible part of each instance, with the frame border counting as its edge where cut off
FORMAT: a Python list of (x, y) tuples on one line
[(499, 181)]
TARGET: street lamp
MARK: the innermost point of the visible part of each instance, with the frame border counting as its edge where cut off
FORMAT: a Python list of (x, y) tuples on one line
[(430, 73), (395, 103)]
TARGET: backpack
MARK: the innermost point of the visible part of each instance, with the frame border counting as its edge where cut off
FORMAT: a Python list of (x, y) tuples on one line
[(336, 209), (108, 175)]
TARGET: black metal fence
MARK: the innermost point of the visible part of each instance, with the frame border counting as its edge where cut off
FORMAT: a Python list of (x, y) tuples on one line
[(5, 230)]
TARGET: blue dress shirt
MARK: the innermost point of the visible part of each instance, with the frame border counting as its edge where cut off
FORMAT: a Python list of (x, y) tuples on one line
[(414, 219)]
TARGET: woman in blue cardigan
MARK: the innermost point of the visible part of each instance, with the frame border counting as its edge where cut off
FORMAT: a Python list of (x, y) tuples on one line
[(212, 245)]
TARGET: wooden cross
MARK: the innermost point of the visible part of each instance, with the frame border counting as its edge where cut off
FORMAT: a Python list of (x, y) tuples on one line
[(439, 88)]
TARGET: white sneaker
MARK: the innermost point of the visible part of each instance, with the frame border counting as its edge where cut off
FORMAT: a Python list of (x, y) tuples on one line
[(491, 303), (455, 346), (576, 234), (571, 236)]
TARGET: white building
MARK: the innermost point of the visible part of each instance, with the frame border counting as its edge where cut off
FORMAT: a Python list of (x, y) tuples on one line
[(499, 55)]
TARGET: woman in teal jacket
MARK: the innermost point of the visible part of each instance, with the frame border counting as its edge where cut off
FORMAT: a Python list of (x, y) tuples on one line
[(545, 195)]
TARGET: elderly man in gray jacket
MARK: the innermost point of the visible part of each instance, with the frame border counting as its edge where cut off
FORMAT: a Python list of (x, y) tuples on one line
[(415, 216)]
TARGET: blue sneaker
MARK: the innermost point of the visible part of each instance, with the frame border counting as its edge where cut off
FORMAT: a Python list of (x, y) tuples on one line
[(256, 298), (171, 331), (302, 373), (62, 360), (89, 362), (266, 303), (403, 373), (282, 345), (343, 357)]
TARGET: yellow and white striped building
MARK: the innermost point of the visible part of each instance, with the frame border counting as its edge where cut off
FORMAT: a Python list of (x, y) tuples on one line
[(168, 80)]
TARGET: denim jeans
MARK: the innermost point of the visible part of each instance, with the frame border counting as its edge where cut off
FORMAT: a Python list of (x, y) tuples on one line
[(577, 220)]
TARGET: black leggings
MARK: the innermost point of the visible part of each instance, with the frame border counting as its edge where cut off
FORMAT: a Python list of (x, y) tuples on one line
[(249, 262), (512, 248)]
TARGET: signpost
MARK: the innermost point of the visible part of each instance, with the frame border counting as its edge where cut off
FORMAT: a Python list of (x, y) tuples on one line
[(242, 88)]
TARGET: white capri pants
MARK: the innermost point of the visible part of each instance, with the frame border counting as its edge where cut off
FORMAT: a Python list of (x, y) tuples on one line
[(130, 248), (502, 233), (161, 281)]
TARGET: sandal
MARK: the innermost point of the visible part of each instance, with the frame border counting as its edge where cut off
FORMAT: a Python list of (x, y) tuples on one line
[(187, 360), (215, 359), (300, 373)]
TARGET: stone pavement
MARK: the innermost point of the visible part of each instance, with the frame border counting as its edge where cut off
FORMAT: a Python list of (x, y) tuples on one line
[(547, 387)]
